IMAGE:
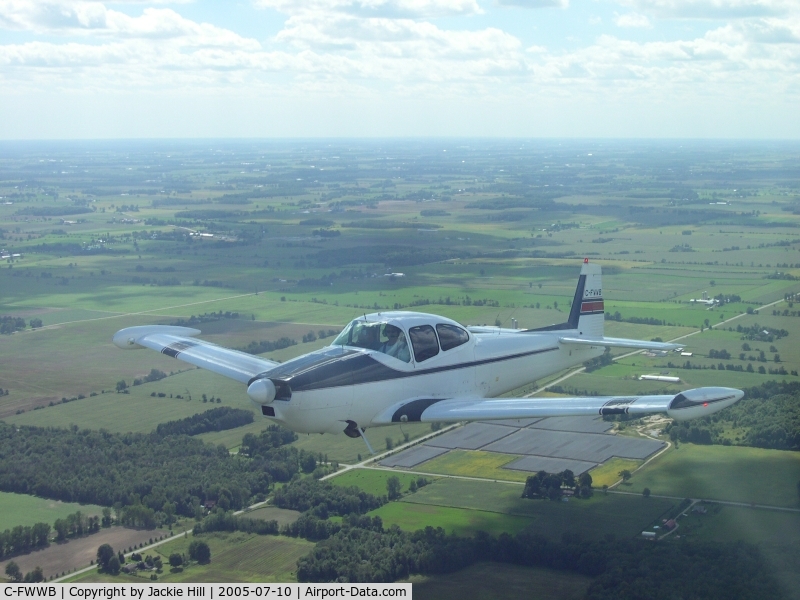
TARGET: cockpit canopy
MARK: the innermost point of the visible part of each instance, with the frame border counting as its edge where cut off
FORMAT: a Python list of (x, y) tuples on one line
[(429, 335)]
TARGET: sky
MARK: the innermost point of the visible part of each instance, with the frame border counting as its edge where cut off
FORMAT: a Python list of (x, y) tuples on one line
[(85, 69)]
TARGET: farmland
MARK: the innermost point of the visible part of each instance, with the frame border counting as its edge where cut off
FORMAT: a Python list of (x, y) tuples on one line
[(254, 243), (748, 475), (235, 557), (21, 509), (453, 520), (372, 481), (460, 506), (468, 463)]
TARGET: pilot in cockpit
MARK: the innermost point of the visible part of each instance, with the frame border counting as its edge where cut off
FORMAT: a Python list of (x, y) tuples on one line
[(367, 337), (395, 344)]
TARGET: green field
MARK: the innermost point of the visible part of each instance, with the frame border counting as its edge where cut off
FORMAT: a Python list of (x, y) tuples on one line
[(347, 450), (486, 581), (138, 411), (235, 557), (21, 509), (459, 521), (734, 474), (272, 513), (624, 516), (608, 472), (373, 481), (473, 463)]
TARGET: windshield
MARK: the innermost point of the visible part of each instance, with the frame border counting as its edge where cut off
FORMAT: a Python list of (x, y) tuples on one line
[(380, 337)]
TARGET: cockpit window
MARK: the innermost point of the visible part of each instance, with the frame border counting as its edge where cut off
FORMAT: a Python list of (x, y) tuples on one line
[(375, 336), (395, 344), (423, 339), (451, 336)]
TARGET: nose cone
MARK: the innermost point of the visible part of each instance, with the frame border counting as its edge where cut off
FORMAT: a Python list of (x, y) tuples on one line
[(261, 391)]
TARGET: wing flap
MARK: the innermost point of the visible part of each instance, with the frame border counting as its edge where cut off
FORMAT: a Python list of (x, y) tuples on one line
[(619, 343), (175, 342)]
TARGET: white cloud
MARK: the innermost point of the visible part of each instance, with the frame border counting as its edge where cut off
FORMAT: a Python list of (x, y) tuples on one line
[(715, 9), (632, 20), (392, 9), (369, 50), (535, 3), (83, 18)]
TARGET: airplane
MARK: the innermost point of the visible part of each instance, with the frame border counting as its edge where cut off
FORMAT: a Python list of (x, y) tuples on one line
[(400, 366)]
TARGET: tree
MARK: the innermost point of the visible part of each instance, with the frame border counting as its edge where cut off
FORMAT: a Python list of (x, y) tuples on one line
[(121, 385), (308, 463), (199, 551), (175, 560), (104, 555), (585, 480), (12, 572), (35, 576), (412, 487), (106, 521), (625, 474), (393, 487), (169, 510), (568, 477), (62, 529), (36, 323), (646, 492), (113, 565), (389, 443)]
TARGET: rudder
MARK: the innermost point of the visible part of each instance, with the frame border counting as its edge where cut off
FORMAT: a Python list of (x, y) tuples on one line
[(588, 304)]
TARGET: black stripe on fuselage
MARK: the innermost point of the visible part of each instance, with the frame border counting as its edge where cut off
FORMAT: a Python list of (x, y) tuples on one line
[(354, 368)]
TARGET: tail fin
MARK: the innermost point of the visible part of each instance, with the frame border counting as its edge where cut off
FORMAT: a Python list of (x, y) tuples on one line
[(587, 312)]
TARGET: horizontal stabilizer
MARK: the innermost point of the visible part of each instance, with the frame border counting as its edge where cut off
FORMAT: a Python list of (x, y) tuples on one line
[(177, 343), (619, 343), (684, 405)]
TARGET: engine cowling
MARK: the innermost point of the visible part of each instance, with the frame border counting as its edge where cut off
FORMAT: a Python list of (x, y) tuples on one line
[(262, 391)]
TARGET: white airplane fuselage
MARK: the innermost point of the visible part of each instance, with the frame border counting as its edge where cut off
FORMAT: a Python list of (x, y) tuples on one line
[(488, 365)]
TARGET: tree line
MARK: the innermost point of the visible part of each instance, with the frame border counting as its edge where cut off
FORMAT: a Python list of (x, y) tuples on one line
[(216, 419)]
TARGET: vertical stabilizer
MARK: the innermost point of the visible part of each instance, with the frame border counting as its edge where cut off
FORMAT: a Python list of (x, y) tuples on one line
[(588, 303), (587, 313)]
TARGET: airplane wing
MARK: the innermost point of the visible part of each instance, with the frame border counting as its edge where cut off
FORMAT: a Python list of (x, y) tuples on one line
[(178, 342), (685, 405), (619, 343)]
